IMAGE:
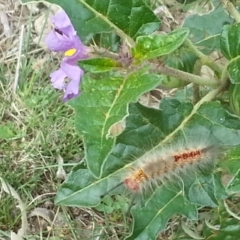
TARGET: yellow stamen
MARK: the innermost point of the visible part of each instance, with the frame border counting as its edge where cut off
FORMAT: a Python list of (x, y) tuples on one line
[(70, 52)]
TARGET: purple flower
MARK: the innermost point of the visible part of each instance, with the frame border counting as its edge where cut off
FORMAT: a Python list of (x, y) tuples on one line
[(63, 38)]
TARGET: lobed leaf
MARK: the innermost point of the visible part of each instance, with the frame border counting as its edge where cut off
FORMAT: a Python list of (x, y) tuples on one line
[(103, 103), (207, 35), (128, 18), (147, 130), (153, 217)]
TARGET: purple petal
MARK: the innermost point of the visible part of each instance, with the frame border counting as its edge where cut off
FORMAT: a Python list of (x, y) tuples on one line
[(73, 71), (81, 52), (64, 38), (68, 96), (58, 79), (62, 22), (57, 42), (72, 90)]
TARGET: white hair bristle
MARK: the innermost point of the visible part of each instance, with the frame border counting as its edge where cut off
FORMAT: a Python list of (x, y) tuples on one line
[(168, 163)]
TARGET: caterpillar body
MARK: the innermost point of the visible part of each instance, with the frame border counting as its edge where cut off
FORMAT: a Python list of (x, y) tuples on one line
[(171, 163)]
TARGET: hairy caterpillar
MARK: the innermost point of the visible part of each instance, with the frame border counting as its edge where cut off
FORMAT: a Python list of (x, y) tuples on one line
[(168, 164)]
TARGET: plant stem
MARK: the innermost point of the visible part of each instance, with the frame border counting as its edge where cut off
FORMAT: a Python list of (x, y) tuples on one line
[(197, 71), (188, 77), (231, 10), (206, 60), (196, 93), (104, 52), (208, 97), (224, 76)]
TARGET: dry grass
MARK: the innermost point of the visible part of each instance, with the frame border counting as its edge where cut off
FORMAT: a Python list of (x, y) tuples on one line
[(36, 129)]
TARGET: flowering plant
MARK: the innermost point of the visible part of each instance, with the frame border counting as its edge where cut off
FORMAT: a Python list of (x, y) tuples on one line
[(63, 38), (123, 131)]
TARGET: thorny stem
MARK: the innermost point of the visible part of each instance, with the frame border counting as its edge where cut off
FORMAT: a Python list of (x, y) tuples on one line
[(231, 10), (206, 60), (172, 72), (104, 52)]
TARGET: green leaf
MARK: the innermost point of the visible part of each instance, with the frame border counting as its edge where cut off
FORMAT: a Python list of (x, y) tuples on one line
[(106, 206), (234, 98), (182, 60), (204, 188), (219, 190), (104, 102), (202, 192), (70, 191), (234, 185), (147, 130), (185, 232), (157, 45), (229, 229), (107, 40), (230, 41), (6, 131), (209, 44), (234, 70), (153, 217), (226, 227), (207, 35), (128, 18), (232, 160), (96, 65)]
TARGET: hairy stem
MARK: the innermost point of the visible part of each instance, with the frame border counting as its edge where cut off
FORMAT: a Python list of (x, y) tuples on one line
[(206, 60), (188, 77), (95, 50), (231, 10), (196, 92), (225, 78)]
